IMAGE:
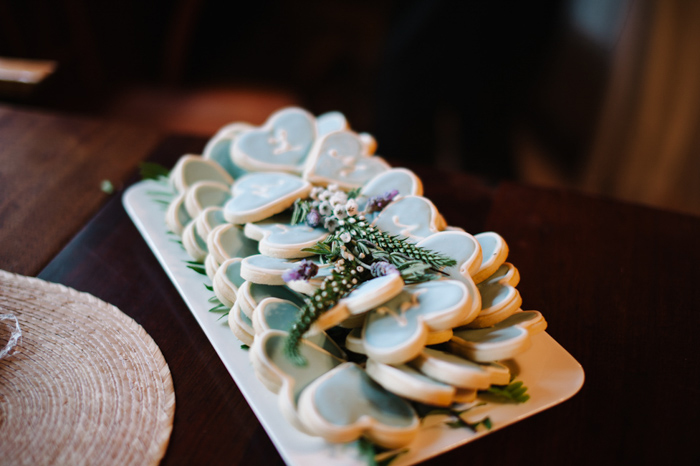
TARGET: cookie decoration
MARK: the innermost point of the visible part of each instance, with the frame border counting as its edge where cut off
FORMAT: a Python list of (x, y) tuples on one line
[(281, 144), (258, 196)]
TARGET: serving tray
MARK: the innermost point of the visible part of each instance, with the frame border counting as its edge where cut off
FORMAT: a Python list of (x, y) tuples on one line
[(551, 374)]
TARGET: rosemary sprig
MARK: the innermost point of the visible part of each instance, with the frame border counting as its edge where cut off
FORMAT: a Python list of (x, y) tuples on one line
[(359, 250)]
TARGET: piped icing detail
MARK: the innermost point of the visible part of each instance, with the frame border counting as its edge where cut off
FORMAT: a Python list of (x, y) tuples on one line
[(339, 158), (411, 217), (281, 144), (258, 196), (397, 331)]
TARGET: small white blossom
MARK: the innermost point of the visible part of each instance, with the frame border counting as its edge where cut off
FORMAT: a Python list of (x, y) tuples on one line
[(345, 237), (340, 212), (338, 198), (351, 207), (325, 209), (316, 192)]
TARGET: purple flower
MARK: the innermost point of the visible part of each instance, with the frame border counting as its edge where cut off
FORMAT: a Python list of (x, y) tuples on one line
[(313, 218), (382, 268), (377, 203), (302, 270)]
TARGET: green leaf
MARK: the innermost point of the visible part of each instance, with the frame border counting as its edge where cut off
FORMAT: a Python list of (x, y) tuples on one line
[(153, 171), (354, 193), (375, 455), (208, 287), (513, 392), (107, 187), (220, 308), (245, 347), (198, 268)]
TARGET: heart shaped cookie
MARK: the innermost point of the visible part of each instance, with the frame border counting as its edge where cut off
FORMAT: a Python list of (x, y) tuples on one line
[(258, 196), (411, 217), (339, 158), (504, 340), (345, 404), (281, 144), (279, 238)]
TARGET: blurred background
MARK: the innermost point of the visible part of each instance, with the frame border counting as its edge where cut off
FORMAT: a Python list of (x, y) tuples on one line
[(597, 95)]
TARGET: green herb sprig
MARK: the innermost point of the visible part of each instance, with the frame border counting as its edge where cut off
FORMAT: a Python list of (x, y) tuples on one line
[(514, 392), (359, 250)]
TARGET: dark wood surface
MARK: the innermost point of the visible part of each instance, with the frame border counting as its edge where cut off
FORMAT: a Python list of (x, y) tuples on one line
[(51, 169), (616, 282)]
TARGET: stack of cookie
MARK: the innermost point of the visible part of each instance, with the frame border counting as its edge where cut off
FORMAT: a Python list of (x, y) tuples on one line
[(435, 342)]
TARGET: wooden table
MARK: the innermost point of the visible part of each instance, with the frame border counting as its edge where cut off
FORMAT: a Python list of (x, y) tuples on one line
[(616, 282)]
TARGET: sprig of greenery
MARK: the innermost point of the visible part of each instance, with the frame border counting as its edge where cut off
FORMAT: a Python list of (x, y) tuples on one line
[(196, 266), (153, 171), (456, 417), (513, 392), (355, 245), (376, 455)]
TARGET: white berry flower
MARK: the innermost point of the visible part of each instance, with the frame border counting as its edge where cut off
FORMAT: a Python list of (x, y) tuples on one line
[(351, 207), (340, 212), (325, 208)]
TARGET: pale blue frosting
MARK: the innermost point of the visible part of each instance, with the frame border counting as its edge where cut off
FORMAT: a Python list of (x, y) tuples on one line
[(262, 189), (283, 143), (349, 393), (267, 263), (220, 152), (459, 246), (400, 179), (341, 160), (330, 122), (281, 315), (396, 321), (259, 292), (318, 362), (489, 246), (210, 195), (503, 331), (233, 273), (236, 244), (277, 231), (410, 217)]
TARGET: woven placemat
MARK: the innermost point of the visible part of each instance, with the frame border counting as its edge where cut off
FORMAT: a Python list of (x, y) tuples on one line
[(85, 384)]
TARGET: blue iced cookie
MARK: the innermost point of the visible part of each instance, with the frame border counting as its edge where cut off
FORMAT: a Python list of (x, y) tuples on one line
[(257, 196), (411, 217), (339, 158), (277, 237), (345, 404), (504, 340), (280, 375), (397, 331), (281, 144)]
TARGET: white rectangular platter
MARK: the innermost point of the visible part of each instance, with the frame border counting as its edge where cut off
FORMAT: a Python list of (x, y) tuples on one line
[(551, 374)]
